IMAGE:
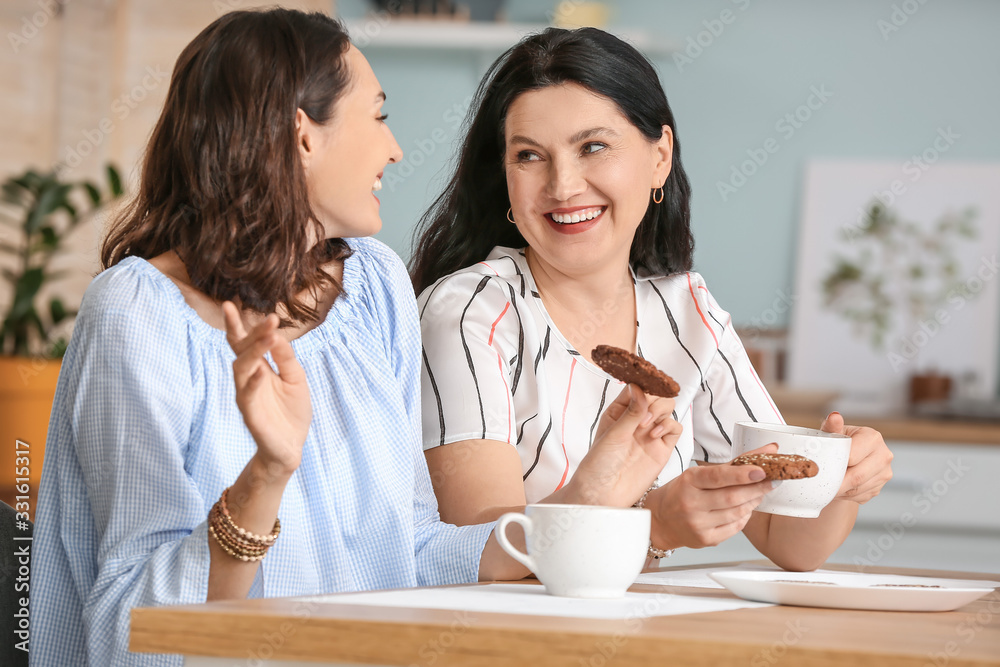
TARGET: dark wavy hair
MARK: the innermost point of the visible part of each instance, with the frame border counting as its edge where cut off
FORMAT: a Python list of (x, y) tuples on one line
[(468, 219), (222, 183)]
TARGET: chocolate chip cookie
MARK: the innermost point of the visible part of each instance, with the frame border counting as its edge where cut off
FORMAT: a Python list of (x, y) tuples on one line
[(627, 367), (780, 466)]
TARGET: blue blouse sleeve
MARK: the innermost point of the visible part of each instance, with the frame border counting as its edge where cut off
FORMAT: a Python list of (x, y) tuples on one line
[(110, 540), (445, 554)]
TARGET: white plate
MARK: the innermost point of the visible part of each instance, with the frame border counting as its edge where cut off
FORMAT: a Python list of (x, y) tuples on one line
[(850, 590)]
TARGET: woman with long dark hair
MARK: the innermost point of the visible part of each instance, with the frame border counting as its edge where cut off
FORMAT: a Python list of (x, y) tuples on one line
[(175, 447), (565, 226)]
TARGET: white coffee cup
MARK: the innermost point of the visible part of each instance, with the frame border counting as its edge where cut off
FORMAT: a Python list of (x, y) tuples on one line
[(581, 551), (798, 497)]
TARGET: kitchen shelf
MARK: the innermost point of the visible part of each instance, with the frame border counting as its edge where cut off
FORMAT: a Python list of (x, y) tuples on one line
[(483, 36)]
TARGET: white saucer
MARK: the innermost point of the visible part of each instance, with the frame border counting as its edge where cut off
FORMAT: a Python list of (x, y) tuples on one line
[(850, 590)]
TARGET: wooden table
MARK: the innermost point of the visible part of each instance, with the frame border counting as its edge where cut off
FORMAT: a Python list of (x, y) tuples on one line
[(287, 630), (911, 429)]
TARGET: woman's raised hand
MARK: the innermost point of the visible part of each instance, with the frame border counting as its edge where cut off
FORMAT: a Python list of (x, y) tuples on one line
[(275, 406), (633, 443), (707, 504)]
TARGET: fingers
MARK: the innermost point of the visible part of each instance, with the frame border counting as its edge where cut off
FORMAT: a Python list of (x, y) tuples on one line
[(636, 411), (284, 358), (660, 409), (237, 335), (724, 532), (234, 325), (730, 498), (620, 404), (726, 475), (250, 360), (668, 428), (864, 480), (714, 527), (834, 423), (251, 347)]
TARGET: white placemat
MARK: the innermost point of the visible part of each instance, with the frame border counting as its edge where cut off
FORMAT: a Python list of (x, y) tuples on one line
[(533, 600)]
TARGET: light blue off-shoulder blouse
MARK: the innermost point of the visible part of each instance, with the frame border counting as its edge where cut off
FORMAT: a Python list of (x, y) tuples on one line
[(145, 434)]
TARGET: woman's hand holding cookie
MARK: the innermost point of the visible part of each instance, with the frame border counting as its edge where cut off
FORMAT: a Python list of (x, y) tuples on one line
[(868, 468), (707, 504), (275, 406), (657, 421), (633, 444)]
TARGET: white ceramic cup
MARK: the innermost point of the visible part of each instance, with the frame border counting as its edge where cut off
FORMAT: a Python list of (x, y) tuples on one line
[(581, 551), (798, 497)]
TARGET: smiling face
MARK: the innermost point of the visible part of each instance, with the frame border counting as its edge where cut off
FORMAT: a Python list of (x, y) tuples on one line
[(344, 159), (579, 176)]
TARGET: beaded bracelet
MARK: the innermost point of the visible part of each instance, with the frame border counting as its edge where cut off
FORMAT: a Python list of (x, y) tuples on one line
[(653, 552), (263, 539), (232, 539), (235, 541)]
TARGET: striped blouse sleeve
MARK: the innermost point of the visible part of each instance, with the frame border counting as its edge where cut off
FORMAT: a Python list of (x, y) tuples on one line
[(731, 390), (471, 337)]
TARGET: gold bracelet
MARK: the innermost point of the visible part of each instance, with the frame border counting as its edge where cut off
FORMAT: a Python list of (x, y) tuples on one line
[(243, 557), (234, 540), (263, 539), (653, 552)]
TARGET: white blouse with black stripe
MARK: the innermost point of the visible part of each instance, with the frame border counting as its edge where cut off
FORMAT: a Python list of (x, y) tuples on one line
[(495, 367)]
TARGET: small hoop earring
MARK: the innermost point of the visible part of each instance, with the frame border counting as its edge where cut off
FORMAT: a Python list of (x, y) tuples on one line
[(660, 190), (510, 216)]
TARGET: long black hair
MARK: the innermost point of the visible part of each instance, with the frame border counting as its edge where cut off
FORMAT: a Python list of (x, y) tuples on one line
[(468, 219)]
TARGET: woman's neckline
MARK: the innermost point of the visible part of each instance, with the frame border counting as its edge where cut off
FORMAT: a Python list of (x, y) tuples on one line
[(522, 260)]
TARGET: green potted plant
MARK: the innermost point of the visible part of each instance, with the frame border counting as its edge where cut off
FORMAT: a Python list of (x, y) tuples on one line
[(38, 212), (897, 279)]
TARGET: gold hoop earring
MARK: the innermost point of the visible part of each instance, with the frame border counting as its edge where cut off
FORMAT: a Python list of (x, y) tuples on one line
[(510, 216), (660, 190)]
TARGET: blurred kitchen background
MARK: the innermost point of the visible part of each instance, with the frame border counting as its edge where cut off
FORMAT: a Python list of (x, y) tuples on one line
[(845, 160)]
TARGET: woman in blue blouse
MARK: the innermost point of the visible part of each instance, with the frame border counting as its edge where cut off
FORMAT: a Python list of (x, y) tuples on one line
[(266, 157)]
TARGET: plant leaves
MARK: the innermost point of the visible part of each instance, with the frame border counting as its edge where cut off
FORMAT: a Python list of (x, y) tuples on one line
[(31, 181), (24, 294), (50, 199), (57, 310), (36, 321), (73, 215), (49, 237), (93, 192), (13, 192), (58, 349), (116, 181)]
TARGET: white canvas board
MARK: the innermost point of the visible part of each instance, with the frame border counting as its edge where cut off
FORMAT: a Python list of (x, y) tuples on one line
[(825, 350)]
